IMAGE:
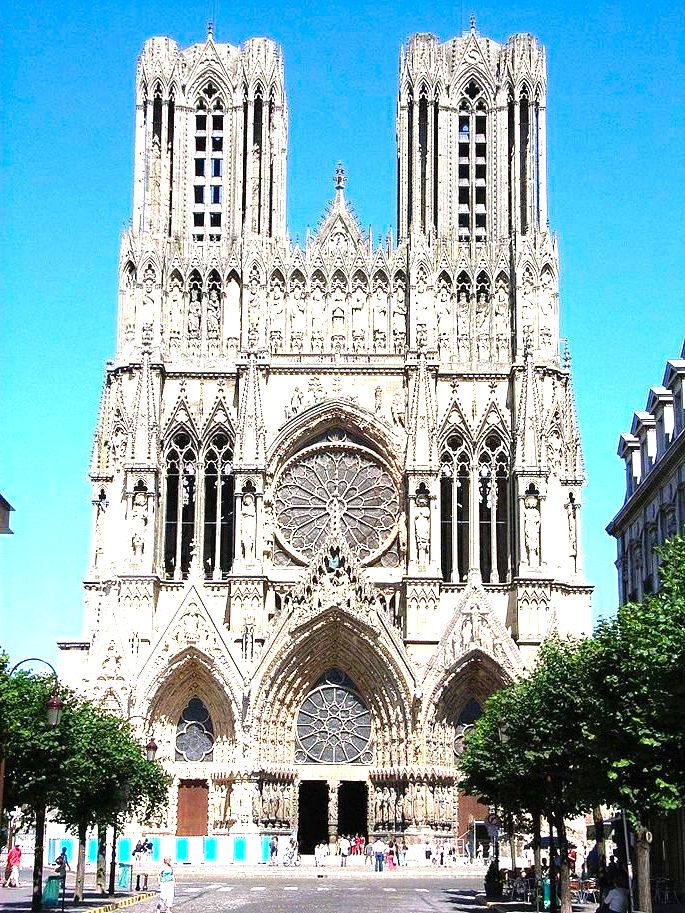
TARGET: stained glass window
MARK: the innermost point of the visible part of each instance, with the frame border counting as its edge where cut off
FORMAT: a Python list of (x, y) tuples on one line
[(334, 723), (195, 733), (337, 483)]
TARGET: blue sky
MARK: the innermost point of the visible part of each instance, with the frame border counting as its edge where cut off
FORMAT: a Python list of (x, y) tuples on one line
[(616, 191)]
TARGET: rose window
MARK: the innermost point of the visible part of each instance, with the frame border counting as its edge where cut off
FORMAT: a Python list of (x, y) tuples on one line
[(337, 486), (334, 724), (195, 733)]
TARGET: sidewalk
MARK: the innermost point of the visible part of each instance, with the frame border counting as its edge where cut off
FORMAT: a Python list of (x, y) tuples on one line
[(18, 900)]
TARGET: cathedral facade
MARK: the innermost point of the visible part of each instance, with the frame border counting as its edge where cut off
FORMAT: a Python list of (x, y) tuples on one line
[(337, 487)]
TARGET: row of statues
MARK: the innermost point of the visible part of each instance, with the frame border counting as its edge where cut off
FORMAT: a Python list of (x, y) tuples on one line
[(362, 315), (414, 804)]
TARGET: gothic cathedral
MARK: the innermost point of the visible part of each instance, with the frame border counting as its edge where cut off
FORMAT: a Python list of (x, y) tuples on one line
[(336, 487)]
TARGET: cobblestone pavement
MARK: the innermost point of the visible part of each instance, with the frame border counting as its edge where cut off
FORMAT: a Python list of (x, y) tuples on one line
[(364, 893)]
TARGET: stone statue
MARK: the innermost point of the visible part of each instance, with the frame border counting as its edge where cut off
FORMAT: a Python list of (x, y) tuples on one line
[(297, 318), (139, 523), (378, 400), (422, 531), (571, 514), (531, 529), (248, 527), (213, 315), (194, 314)]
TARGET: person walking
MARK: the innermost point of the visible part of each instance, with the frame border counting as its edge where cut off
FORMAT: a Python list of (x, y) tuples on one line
[(166, 887), (344, 851), (13, 864), (378, 854)]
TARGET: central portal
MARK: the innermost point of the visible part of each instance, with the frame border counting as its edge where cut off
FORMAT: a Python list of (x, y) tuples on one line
[(312, 822), (353, 809)]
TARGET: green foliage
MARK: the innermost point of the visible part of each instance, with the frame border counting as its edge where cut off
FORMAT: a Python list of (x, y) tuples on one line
[(639, 688), (598, 721), (89, 769)]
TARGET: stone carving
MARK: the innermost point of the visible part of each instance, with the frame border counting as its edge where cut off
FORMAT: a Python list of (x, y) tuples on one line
[(194, 314), (531, 529), (422, 531), (138, 523), (572, 518), (248, 527), (213, 315)]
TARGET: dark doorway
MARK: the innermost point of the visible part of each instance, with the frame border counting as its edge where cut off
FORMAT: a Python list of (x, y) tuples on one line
[(312, 824), (352, 809), (193, 806)]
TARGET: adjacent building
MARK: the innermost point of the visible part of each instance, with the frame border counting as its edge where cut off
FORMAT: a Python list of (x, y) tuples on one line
[(337, 488), (653, 511)]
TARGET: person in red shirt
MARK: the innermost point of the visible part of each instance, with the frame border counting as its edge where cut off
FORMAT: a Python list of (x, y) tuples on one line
[(13, 863)]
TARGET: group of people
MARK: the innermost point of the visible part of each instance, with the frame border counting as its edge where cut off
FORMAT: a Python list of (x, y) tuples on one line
[(142, 855), (391, 854)]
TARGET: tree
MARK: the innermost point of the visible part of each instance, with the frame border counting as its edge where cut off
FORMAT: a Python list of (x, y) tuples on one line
[(90, 768), (34, 753), (529, 750), (638, 716), (107, 777)]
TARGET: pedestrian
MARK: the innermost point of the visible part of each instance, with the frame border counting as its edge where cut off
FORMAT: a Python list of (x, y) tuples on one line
[(379, 854), (13, 864), (617, 898), (391, 855), (166, 887), (368, 853), (403, 853), (62, 865), (344, 851)]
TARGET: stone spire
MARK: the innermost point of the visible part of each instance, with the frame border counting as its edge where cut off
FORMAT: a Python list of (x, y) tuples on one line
[(251, 450), (422, 420), (145, 423), (527, 421)]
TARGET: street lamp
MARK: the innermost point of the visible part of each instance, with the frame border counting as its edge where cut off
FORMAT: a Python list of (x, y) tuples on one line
[(150, 755)]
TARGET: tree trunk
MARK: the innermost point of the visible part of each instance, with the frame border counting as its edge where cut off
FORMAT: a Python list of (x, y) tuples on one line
[(642, 847), (37, 895), (113, 862), (551, 870), (564, 869), (81, 864), (601, 850), (537, 827), (100, 876)]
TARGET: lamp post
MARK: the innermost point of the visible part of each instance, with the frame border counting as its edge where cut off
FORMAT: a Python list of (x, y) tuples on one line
[(150, 755)]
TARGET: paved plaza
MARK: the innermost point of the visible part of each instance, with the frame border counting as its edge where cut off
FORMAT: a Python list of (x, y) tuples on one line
[(380, 893)]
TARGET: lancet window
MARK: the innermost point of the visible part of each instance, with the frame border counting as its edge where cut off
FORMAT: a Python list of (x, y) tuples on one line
[(472, 165), (195, 733), (524, 154), (217, 553), (455, 496), (199, 502), (493, 510), (208, 184)]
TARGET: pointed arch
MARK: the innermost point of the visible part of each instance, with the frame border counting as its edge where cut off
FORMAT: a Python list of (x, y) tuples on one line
[(192, 675), (299, 658)]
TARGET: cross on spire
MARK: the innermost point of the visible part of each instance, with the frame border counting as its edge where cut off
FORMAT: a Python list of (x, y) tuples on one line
[(340, 177)]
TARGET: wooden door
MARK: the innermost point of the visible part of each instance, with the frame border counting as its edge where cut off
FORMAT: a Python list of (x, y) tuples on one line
[(193, 808)]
